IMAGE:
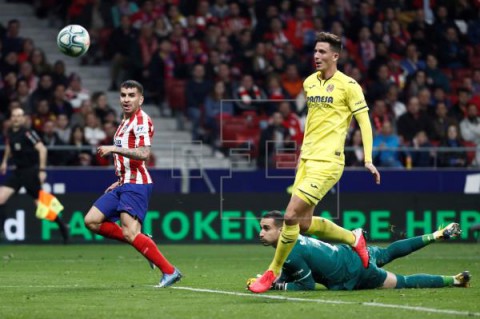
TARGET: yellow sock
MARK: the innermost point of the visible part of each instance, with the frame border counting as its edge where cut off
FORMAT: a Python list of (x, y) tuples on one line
[(288, 238), (327, 230)]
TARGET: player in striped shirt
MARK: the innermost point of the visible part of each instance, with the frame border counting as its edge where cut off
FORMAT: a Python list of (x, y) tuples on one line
[(127, 199)]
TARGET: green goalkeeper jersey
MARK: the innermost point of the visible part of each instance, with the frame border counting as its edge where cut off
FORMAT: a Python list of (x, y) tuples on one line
[(337, 267)]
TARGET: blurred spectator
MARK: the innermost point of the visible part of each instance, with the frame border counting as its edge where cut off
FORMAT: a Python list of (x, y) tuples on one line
[(62, 128), (378, 88), (354, 155), (80, 114), (274, 92), (27, 74), (82, 154), (175, 16), (10, 63), (7, 92), (386, 145), (476, 82), (120, 49), (161, 28), (459, 110), (248, 56), (435, 76), (161, 70), (276, 35), (425, 101), (75, 93), (59, 104), (260, 63), (234, 22), (393, 102), (44, 90), (274, 138), (41, 115), (412, 62), (366, 47), (362, 18), (398, 38), (422, 153), (291, 81), (379, 115), (148, 44), (412, 122), (299, 29), (145, 16), (12, 41), (215, 108), (51, 139), (246, 94), (452, 54), (93, 132), (101, 106), (23, 96), (219, 9), (381, 58), (455, 157), (292, 122), (196, 91), (441, 122), (123, 8), (39, 62), (474, 29), (58, 73), (28, 47), (470, 128)]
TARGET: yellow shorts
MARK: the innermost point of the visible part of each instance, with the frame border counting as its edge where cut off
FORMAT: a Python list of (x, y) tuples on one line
[(315, 178)]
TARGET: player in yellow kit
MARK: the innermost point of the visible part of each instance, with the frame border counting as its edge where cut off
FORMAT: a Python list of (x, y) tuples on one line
[(333, 98)]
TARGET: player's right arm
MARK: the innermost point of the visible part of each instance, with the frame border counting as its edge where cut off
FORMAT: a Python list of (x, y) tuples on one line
[(6, 155)]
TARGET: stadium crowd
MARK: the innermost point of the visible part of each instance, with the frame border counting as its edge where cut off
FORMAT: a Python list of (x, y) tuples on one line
[(419, 66)]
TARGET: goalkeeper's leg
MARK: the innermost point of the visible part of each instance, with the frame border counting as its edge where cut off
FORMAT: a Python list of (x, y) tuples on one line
[(404, 247), (426, 281)]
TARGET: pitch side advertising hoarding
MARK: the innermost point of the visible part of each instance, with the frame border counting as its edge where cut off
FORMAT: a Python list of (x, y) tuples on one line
[(233, 217)]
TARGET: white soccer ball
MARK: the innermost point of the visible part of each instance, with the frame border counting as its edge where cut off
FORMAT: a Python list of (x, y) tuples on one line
[(73, 40)]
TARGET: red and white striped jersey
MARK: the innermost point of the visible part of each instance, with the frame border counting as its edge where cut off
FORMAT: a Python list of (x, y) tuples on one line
[(136, 131)]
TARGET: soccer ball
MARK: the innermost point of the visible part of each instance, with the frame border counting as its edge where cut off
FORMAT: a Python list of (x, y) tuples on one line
[(73, 40)]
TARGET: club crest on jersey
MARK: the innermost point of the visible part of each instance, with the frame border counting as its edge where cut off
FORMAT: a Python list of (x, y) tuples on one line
[(330, 88)]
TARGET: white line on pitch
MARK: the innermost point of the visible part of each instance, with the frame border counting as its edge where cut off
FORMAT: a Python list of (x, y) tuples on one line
[(368, 304)]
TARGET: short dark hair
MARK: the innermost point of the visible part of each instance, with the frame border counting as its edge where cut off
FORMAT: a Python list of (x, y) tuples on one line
[(276, 215), (128, 84), (334, 41)]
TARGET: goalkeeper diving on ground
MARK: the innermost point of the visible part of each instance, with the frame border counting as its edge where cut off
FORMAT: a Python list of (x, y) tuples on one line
[(338, 267)]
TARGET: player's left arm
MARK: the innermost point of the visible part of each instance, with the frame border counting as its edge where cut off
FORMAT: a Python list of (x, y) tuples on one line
[(359, 108), (42, 161)]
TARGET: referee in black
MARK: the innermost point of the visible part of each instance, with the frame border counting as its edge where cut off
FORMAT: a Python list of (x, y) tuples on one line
[(29, 155)]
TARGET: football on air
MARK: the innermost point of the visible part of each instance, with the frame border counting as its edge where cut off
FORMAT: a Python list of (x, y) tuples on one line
[(73, 40)]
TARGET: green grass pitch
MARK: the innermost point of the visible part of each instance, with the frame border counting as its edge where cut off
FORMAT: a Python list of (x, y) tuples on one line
[(114, 281)]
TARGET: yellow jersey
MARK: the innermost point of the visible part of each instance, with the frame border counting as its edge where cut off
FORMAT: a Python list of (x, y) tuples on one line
[(331, 104)]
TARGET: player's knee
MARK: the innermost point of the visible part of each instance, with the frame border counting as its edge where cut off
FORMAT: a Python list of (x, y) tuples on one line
[(129, 234), (91, 224)]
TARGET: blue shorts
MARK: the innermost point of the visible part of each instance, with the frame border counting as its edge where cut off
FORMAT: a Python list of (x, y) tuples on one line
[(130, 198)]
